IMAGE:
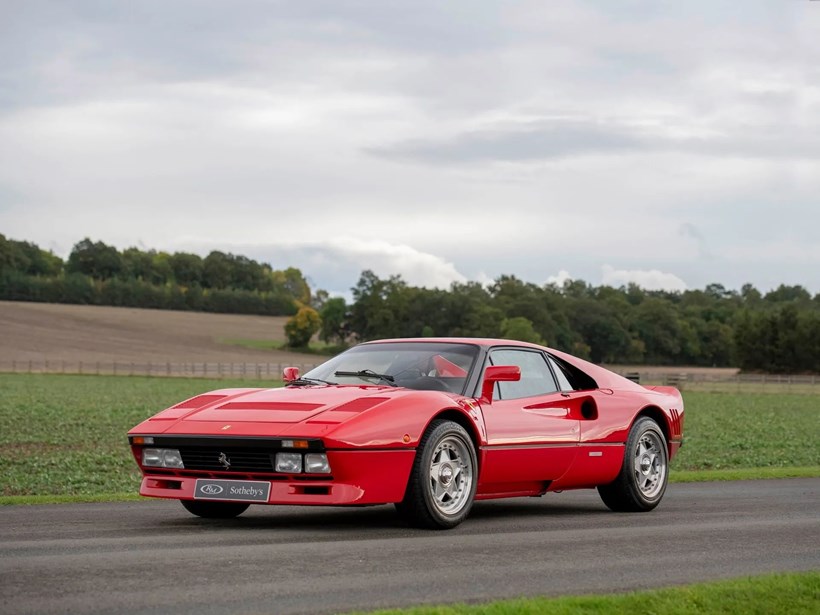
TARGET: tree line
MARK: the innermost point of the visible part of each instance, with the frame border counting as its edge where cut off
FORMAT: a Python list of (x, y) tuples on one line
[(100, 274), (777, 332)]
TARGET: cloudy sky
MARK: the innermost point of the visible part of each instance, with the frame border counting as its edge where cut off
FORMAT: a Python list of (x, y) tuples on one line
[(672, 144)]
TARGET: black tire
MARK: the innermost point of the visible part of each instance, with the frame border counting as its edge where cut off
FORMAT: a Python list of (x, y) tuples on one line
[(443, 479), (214, 510), (642, 480)]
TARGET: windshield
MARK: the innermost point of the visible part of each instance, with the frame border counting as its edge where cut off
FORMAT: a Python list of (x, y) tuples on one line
[(414, 365)]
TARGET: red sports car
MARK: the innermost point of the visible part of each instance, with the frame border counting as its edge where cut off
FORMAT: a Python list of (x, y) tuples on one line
[(429, 425)]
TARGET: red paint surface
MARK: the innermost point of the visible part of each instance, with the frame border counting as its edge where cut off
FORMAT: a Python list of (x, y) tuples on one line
[(524, 446)]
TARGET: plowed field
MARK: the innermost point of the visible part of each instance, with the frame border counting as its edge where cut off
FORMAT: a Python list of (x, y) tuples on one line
[(50, 332)]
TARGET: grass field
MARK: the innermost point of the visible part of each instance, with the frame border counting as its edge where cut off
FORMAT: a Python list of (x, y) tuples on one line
[(776, 594), (64, 435)]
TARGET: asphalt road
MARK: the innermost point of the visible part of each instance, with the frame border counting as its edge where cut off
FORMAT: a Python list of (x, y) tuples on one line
[(153, 557)]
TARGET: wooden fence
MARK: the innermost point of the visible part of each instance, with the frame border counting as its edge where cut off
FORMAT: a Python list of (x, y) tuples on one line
[(258, 371), (740, 383), (686, 381)]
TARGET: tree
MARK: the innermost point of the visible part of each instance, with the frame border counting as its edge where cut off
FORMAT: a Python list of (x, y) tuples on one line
[(785, 293), (217, 270), (138, 264), (378, 306), (656, 324), (95, 259), (334, 321), (294, 284), (187, 268), (301, 327), (607, 337), (318, 300), (750, 295), (6, 261), (521, 329), (161, 271)]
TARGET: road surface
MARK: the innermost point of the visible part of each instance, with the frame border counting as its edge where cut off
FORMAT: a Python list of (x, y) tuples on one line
[(153, 557)]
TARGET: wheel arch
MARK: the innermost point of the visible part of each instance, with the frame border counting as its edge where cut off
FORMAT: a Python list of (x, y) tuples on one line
[(657, 415), (457, 416)]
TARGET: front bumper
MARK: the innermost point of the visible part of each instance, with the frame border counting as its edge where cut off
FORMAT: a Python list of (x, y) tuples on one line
[(359, 477)]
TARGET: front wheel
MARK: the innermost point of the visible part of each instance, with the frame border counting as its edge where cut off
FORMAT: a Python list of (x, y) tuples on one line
[(443, 480), (645, 471), (214, 510)]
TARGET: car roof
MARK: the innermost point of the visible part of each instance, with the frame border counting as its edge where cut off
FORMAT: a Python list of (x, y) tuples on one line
[(477, 341), (602, 376)]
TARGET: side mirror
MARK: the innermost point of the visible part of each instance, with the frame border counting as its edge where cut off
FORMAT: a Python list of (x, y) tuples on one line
[(497, 373), (289, 374)]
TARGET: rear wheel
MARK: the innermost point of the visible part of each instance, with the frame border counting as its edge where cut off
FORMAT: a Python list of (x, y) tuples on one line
[(443, 480), (645, 471), (214, 510)]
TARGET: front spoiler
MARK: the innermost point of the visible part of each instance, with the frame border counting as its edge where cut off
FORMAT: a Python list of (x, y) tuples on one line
[(359, 477)]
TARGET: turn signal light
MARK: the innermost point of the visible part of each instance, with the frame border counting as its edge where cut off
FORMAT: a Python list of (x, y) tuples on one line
[(295, 443)]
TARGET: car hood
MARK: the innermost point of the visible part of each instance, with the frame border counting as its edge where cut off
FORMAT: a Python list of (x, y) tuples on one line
[(283, 405), (309, 411)]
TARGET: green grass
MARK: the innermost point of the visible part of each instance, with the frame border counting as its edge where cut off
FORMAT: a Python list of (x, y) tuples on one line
[(725, 431), (776, 594), (62, 437), (697, 476), (30, 500), (65, 434)]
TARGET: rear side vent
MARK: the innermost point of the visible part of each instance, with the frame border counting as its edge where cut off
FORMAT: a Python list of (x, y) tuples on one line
[(589, 410)]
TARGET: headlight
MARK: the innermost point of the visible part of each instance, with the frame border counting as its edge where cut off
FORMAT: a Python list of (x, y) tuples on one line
[(290, 463), (162, 458), (316, 463)]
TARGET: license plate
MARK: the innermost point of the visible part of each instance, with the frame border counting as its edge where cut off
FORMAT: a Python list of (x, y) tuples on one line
[(235, 490)]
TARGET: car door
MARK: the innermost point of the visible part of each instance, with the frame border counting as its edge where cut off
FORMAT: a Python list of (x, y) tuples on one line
[(530, 433)]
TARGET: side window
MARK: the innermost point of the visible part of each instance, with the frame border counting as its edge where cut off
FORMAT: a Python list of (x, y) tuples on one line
[(563, 381), (536, 378)]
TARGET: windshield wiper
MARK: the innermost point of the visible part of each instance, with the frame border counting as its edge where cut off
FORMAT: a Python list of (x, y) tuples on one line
[(302, 381), (368, 373)]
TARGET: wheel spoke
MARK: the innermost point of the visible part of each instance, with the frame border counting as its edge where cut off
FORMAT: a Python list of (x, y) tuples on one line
[(439, 491)]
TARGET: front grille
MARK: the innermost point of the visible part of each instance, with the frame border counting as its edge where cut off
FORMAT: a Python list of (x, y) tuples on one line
[(240, 460)]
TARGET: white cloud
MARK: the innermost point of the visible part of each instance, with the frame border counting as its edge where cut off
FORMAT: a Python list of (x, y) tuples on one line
[(672, 138), (559, 279), (651, 279), (383, 258), (335, 264)]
